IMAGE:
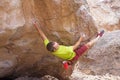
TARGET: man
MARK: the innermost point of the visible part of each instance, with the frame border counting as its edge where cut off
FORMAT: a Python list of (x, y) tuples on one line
[(69, 53)]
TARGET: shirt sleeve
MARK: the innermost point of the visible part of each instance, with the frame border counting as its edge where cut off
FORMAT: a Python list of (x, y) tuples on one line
[(46, 41)]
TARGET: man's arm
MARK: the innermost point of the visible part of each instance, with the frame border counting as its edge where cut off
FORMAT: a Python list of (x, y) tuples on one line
[(42, 35), (76, 45)]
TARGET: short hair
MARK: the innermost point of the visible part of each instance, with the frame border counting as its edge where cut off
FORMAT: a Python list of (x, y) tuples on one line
[(50, 46)]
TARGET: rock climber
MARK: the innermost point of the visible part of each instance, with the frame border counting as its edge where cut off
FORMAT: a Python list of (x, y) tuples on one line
[(68, 53)]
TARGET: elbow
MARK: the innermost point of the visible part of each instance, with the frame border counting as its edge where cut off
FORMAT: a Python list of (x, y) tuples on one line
[(75, 47)]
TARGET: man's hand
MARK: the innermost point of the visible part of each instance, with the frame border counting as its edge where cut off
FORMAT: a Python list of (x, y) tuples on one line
[(83, 35), (76, 45), (34, 21)]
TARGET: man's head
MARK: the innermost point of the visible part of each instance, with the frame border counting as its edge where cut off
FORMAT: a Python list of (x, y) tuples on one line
[(52, 46)]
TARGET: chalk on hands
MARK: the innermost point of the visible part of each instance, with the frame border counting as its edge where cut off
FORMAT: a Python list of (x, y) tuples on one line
[(83, 35)]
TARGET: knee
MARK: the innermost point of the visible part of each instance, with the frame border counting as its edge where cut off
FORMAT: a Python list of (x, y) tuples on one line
[(88, 45)]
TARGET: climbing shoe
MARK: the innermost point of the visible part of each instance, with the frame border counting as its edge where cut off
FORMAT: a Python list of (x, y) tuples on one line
[(101, 33)]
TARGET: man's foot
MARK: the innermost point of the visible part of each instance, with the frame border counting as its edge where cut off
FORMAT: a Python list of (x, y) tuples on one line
[(101, 33), (65, 65)]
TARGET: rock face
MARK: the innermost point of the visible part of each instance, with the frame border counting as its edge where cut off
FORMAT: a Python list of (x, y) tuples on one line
[(46, 77), (63, 17), (77, 75), (22, 52), (11, 14), (106, 13), (21, 49), (105, 56)]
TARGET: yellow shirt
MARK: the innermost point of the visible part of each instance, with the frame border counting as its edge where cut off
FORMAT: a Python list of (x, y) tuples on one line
[(64, 52)]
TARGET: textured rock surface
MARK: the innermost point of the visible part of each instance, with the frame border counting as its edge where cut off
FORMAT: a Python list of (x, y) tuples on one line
[(77, 75), (46, 77), (11, 14), (105, 56), (106, 13), (21, 49), (64, 17)]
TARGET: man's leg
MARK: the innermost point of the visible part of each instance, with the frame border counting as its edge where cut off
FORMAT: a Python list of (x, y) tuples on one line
[(92, 42), (85, 47)]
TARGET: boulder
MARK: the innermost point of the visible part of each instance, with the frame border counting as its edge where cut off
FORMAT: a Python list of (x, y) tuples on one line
[(104, 56), (22, 51), (106, 13)]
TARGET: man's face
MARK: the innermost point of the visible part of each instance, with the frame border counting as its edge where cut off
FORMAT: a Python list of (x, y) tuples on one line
[(56, 45)]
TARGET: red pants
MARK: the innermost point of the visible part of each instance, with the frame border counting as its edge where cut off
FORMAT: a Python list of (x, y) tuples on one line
[(79, 52)]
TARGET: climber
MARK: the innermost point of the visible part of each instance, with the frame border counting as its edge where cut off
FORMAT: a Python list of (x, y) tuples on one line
[(68, 53)]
